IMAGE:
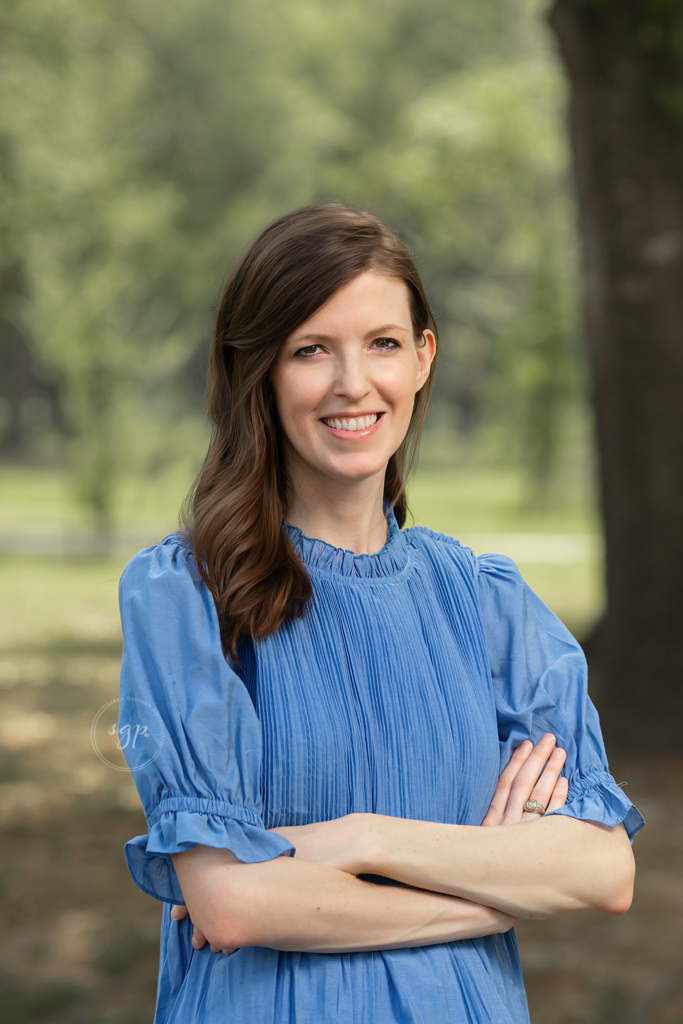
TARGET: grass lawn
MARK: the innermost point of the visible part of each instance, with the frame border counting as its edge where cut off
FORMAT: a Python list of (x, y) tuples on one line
[(557, 548)]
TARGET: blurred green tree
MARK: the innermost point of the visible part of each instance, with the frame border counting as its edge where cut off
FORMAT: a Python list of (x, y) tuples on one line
[(146, 143), (542, 369)]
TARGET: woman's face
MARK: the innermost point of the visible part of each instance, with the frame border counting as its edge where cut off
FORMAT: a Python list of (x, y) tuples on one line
[(345, 381)]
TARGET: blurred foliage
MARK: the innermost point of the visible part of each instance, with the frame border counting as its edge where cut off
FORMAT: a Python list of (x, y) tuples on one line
[(143, 144)]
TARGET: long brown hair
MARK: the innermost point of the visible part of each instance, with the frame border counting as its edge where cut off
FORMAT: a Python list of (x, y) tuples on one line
[(233, 518)]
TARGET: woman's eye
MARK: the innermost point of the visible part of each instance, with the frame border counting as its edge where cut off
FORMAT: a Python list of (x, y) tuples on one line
[(386, 343), (309, 350)]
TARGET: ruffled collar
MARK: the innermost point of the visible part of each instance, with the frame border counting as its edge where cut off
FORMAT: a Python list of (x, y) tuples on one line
[(320, 557)]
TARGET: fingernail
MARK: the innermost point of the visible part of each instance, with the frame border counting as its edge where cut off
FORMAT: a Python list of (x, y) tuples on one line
[(557, 754)]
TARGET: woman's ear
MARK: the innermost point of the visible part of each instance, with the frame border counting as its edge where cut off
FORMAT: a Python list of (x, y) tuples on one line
[(425, 357)]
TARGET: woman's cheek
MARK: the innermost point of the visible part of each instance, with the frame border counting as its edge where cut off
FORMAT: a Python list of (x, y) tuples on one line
[(301, 397), (399, 391)]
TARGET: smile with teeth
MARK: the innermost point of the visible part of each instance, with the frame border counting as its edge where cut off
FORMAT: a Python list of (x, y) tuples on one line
[(357, 423)]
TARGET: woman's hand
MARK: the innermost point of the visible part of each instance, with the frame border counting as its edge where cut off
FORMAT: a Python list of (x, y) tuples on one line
[(532, 773), (198, 940)]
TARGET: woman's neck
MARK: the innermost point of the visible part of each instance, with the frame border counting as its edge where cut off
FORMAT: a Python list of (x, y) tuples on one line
[(345, 515)]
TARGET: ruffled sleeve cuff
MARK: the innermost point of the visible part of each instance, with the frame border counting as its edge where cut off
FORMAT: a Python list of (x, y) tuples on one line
[(595, 796), (180, 823)]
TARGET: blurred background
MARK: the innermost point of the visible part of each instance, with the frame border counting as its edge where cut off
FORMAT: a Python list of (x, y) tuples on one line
[(142, 145)]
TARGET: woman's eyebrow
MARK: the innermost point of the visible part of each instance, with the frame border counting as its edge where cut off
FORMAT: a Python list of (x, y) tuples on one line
[(311, 337), (384, 328), (331, 337)]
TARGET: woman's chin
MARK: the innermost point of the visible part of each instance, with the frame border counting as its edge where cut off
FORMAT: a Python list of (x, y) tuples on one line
[(354, 470)]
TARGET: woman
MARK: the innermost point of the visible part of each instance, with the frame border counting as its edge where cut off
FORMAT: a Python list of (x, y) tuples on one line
[(326, 701)]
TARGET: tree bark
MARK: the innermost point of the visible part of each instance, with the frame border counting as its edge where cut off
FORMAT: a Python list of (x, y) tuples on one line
[(626, 120)]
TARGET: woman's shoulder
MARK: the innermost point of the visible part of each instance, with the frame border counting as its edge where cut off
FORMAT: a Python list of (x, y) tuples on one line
[(422, 537), (442, 556), (163, 597), (442, 546), (167, 565)]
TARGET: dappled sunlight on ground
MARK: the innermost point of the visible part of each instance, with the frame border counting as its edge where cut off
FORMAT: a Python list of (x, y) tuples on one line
[(76, 927)]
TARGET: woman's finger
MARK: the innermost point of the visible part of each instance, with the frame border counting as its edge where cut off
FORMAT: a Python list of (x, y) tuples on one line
[(527, 778), (559, 795), (178, 913), (496, 811), (545, 787)]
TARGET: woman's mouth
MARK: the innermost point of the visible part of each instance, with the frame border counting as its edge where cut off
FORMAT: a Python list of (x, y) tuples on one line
[(351, 423)]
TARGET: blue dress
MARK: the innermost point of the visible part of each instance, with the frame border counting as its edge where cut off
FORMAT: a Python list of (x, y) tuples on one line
[(403, 691)]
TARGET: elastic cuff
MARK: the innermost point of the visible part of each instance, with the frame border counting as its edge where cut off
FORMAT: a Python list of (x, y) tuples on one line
[(595, 796), (149, 857)]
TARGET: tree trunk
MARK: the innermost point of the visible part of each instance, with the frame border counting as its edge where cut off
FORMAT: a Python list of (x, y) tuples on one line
[(625, 68)]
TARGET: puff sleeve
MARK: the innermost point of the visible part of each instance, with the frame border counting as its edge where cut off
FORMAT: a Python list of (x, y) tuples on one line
[(539, 678), (189, 729)]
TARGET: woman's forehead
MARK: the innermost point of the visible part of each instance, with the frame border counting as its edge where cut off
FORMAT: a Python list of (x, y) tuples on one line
[(370, 303)]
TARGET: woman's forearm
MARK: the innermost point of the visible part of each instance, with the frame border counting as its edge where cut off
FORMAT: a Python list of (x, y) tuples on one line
[(541, 869), (525, 866), (292, 904)]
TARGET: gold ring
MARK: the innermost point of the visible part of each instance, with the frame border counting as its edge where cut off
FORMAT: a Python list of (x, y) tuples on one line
[(535, 806)]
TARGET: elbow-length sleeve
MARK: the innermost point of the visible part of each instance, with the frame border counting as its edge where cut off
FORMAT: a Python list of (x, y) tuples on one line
[(189, 730), (540, 683)]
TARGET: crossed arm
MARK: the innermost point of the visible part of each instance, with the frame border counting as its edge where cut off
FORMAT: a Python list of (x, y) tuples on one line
[(469, 881)]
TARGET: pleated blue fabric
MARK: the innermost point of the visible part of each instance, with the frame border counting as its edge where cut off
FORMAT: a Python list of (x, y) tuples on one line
[(404, 690)]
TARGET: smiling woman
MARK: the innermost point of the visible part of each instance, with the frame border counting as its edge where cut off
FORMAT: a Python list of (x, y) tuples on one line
[(287, 303), (345, 392), (336, 702)]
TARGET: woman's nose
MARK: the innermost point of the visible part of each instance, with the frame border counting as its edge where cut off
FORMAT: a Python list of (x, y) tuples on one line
[(351, 381)]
